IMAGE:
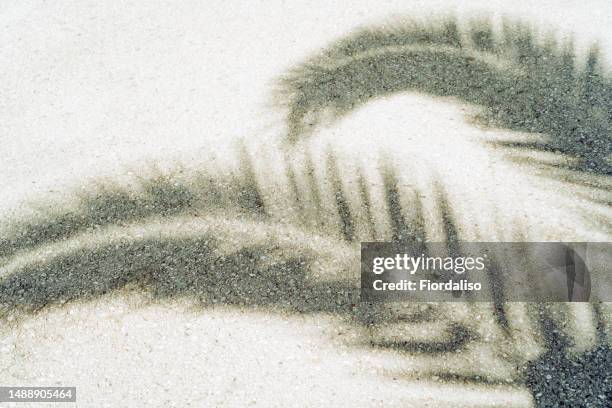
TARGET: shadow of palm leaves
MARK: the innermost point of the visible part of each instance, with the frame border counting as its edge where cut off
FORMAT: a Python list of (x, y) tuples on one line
[(163, 195), (223, 262), (224, 259), (252, 275), (523, 82), (561, 378), (98, 252)]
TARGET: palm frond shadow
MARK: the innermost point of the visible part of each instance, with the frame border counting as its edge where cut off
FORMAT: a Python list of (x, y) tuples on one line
[(522, 80), (228, 260), (561, 378), (161, 195), (523, 83), (459, 337), (264, 273), (176, 267), (347, 226), (225, 262)]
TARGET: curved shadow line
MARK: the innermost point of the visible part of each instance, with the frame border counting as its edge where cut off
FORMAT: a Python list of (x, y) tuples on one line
[(521, 81)]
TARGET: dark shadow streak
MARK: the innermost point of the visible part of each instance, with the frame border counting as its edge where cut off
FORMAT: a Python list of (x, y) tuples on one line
[(347, 224), (158, 196), (561, 378), (458, 338), (364, 196), (175, 267), (401, 231)]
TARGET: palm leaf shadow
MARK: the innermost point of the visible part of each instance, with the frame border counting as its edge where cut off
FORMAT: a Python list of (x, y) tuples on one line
[(515, 77), (251, 274), (163, 195), (523, 82), (176, 267), (561, 378)]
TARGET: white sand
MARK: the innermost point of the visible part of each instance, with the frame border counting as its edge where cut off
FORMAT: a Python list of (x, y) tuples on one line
[(92, 90)]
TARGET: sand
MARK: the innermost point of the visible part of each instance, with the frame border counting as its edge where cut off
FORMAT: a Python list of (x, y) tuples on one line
[(96, 95)]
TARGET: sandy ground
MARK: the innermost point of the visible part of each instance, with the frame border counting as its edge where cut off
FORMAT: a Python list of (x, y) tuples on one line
[(124, 92)]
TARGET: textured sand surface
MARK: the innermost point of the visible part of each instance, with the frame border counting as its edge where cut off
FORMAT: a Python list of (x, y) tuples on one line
[(142, 143)]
